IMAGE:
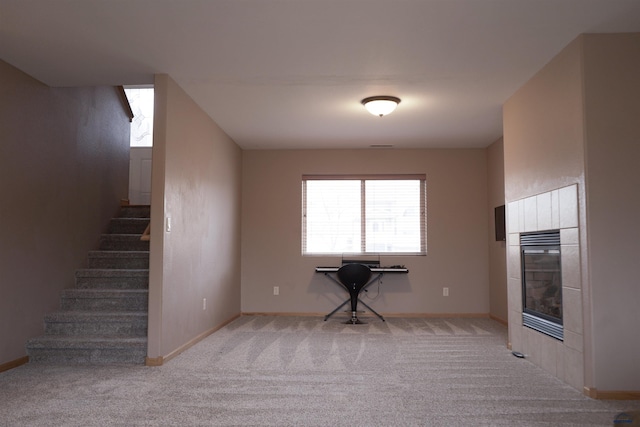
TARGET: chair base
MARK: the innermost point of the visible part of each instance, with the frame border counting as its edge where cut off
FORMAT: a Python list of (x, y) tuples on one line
[(354, 320)]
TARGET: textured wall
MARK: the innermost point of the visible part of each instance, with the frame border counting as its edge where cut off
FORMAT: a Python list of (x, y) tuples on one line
[(497, 249), (457, 232), (576, 122), (195, 182), (612, 112), (543, 152), (64, 166)]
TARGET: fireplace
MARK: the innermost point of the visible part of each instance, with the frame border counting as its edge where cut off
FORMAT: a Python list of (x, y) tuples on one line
[(542, 282)]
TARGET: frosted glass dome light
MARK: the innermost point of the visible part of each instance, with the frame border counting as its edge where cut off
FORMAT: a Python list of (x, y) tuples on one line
[(381, 105)]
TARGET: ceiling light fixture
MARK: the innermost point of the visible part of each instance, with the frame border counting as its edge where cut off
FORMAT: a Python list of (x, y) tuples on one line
[(381, 105)]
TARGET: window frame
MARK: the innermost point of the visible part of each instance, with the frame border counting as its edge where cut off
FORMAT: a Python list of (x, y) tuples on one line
[(363, 241)]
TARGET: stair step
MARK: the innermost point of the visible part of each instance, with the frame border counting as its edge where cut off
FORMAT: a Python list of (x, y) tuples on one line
[(119, 259), (135, 211), (112, 278), (104, 319), (126, 324), (128, 225), (123, 242), (105, 300), (87, 350)]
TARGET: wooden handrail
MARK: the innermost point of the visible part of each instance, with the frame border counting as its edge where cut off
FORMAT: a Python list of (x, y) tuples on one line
[(125, 102)]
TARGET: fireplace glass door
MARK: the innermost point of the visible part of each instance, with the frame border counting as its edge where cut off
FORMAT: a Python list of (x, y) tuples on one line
[(542, 282)]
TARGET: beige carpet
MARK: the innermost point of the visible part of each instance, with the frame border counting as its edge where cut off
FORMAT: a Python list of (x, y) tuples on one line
[(302, 371)]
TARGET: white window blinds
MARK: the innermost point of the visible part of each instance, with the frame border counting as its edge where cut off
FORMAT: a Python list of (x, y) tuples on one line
[(364, 214)]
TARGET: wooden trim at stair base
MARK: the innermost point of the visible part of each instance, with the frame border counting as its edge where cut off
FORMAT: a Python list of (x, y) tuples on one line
[(159, 361), (594, 393), (153, 361), (146, 235), (14, 363)]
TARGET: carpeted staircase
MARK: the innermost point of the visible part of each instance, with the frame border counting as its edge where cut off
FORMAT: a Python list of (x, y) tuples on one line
[(103, 320)]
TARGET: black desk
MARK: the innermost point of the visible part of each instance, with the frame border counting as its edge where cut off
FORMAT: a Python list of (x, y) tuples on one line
[(380, 272)]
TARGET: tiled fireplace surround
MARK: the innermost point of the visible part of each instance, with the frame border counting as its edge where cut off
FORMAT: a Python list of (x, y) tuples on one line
[(557, 209)]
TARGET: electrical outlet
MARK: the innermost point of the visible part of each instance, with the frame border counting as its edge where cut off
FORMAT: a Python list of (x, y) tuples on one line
[(204, 303), (276, 290), (445, 292)]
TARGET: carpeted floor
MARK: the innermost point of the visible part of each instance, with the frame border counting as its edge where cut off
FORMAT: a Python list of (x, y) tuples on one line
[(302, 371)]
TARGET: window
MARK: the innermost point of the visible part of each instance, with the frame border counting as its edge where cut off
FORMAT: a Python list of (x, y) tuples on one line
[(141, 102), (364, 214)]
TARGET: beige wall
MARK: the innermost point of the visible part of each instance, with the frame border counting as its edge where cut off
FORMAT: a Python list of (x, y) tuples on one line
[(544, 152), (457, 232), (497, 249), (195, 182), (573, 128), (612, 117), (543, 129), (64, 157)]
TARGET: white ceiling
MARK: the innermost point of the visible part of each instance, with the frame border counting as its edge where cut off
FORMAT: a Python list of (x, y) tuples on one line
[(291, 73)]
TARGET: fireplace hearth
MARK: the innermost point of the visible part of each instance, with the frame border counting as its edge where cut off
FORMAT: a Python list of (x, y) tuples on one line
[(542, 282)]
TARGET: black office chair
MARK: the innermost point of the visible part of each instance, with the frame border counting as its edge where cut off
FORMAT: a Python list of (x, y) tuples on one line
[(354, 277)]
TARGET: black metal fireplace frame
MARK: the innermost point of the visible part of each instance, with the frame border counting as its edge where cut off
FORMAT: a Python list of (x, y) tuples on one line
[(541, 322)]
